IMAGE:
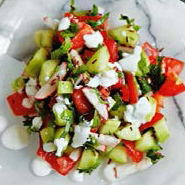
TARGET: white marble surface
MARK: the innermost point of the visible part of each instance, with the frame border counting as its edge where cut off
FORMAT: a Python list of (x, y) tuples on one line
[(162, 23)]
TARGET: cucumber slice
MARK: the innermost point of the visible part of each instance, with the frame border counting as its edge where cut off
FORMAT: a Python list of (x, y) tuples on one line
[(130, 132), (44, 38), (47, 134), (147, 142), (153, 109), (110, 126), (47, 70), (161, 130), (18, 84), (89, 161), (98, 63), (119, 112), (33, 67), (64, 87), (125, 35), (118, 154)]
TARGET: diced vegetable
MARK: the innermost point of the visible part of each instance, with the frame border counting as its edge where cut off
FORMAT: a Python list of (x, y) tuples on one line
[(47, 134), (18, 84), (64, 87)]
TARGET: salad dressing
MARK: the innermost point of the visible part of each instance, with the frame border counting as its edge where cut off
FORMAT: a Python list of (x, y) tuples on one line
[(16, 137)]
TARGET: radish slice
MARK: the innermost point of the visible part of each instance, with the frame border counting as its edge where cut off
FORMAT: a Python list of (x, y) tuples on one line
[(50, 87), (75, 154), (106, 139), (93, 99), (76, 58)]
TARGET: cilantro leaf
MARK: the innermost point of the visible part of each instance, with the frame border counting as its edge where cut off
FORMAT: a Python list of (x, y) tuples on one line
[(154, 156), (64, 48), (118, 100), (94, 24), (144, 85), (94, 11), (91, 143), (80, 70), (71, 31), (157, 78), (96, 119), (130, 22), (72, 7)]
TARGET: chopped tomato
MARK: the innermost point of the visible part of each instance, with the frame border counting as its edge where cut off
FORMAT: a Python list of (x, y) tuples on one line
[(159, 100), (78, 40), (118, 85), (60, 38), (95, 129), (172, 65), (87, 54), (104, 92), (156, 118), (125, 93), (15, 103), (111, 46), (81, 102), (61, 164), (151, 52), (172, 86), (135, 155), (72, 17), (133, 94)]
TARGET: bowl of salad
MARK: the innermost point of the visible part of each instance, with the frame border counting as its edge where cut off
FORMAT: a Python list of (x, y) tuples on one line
[(93, 98)]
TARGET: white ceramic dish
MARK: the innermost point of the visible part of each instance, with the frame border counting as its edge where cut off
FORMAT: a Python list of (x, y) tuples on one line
[(162, 21)]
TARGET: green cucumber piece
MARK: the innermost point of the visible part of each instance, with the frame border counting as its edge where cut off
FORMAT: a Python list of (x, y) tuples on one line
[(18, 84), (98, 63), (66, 117), (44, 38), (129, 38), (47, 70), (89, 161), (129, 132), (110, 126), (161, 130), (118, 154), (47, 134), (64, 87), (147, 142), (34, 65), (119, 112), (153, 108)]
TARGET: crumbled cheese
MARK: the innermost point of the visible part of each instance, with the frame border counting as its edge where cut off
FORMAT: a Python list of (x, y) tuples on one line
[(61, 99), (106, 79), (60, 143), (106, 139), (31, 87), (93, 40), (130, 62), (81, 135), (36, 123), (49, 147), (115, 64), (27, 103), (59, 108), (137, 113), (64, 24)]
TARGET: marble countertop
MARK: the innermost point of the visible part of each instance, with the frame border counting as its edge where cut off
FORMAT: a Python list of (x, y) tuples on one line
[(162, 23)]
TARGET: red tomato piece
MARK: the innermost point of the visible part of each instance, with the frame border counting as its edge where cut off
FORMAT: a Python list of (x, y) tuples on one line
[(60, 38), (111, 46), (87, 54), (95, 129), (118, 85), (159, 100), (133, 94), (125, 93), (135, 155), (61, 164), (172, 86), (156, 118), (81, 102), (172, 65), (78, 40), (15, 103), (104, 92), (151, 52)]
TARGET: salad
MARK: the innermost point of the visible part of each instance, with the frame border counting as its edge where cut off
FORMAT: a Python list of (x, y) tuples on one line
[(93, 94)]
